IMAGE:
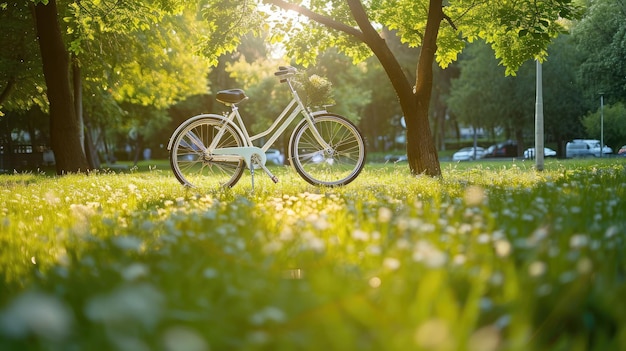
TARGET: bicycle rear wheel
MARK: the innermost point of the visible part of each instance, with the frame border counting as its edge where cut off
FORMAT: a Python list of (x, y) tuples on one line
[(191, 161), (338, 165)]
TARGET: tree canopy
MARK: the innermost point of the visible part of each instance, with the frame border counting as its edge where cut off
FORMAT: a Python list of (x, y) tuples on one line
[(601, 38), (517, 31), (121, 53)]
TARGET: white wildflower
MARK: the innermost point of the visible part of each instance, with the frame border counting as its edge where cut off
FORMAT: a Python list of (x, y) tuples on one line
[(210, 273), (374, 250), (503, 248), (459, 259), (258, 337), (391, 263), (36, 313), (384, 215), (134, 271), (360, 235), (430, 255), (374, 282), (485, 339), (268, 314), (611, 232), (129, 243), (584, 266), (537, 236), (474, 196), (503, 321), (483, 238), (434, 334), (139, 303), (536, 269), (578, 241), (183, 338)]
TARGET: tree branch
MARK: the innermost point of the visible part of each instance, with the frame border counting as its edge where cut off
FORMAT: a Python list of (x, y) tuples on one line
[(326, 21), (450, 21), (360, 16)]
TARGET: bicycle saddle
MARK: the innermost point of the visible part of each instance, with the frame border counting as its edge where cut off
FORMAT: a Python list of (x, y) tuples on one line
[(231, 96)]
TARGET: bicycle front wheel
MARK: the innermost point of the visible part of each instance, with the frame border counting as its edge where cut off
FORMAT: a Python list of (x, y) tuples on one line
[(337, 163), (192, 162)]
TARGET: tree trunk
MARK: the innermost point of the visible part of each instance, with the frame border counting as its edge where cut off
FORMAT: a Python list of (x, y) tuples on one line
[(78, 100), (64, 129), (421, 149), (84, 130)]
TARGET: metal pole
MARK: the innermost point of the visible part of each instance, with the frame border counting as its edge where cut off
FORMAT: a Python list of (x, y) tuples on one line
[(539, 121), (601, 124)]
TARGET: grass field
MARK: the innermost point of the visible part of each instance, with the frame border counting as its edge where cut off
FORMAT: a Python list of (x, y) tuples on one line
[(492, 256)]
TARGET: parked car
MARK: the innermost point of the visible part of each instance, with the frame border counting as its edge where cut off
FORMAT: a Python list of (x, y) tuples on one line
[(577, 148), (468, 153), (505, 149), (586, 148), (275, 156), (594, 146), (622, 151), (547, 152), (395, 158)]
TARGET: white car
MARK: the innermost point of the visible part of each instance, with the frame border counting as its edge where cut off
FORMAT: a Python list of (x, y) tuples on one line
[(468, 153), (594, 146), (396, 158), (547, 152), (586, 148), (275, 156)]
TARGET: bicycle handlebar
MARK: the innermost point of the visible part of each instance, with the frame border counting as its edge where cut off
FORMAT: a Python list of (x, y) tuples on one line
[(285, 70)]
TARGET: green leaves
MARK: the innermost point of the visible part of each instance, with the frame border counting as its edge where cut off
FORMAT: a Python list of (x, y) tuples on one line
[(517, 31), (614, 120), (228, 21), (601, 39)]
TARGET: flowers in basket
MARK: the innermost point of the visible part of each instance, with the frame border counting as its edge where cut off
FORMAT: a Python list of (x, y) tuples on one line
[(314, 90)]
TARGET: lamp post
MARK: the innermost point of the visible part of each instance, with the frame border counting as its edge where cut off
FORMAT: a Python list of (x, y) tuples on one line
[(539, 121), (601, 124)]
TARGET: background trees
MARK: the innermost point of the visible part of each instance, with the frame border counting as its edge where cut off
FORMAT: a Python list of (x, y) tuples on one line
[(601, 40), (614, 122), (129, 52), (484, 97)]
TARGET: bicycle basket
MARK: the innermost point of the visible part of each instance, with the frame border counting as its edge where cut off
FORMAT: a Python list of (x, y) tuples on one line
[(315, 91)]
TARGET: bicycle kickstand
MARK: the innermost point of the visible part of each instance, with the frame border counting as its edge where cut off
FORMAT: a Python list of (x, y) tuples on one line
[(255, 160), (269, 174)]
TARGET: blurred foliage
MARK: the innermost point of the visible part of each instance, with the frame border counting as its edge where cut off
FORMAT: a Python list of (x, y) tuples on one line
[(614, 120), (483, 97), (601, 41), (493, 256), (130, 52)]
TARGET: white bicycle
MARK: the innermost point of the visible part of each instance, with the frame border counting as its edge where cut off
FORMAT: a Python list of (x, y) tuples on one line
[(212, 150)]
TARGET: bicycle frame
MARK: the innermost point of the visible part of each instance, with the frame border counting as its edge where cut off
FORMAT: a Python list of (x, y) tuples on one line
[(277, 127)]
